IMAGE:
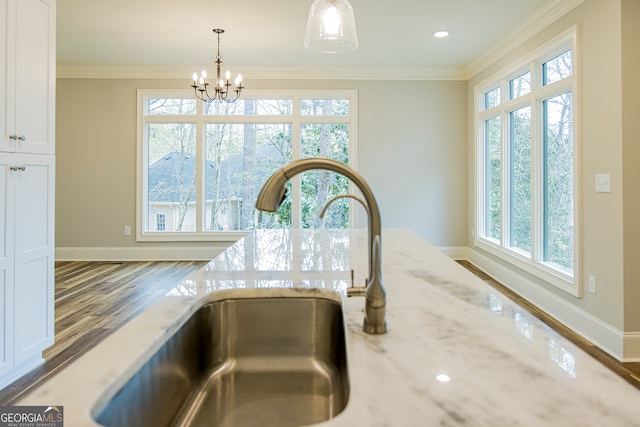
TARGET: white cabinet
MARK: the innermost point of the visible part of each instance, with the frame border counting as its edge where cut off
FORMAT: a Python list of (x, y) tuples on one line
[(27, 76), (6, 272), (26, 261), (27, 162)]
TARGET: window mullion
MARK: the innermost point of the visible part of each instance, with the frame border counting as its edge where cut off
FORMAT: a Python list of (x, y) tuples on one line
[(537, 205), (505, 160), (200, 162), (296, 142), (505, 178)]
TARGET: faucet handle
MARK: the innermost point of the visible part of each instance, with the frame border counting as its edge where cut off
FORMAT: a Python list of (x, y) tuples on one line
[(355, 291)]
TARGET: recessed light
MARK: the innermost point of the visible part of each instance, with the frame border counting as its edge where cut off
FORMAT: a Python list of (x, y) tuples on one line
[(441, 34)]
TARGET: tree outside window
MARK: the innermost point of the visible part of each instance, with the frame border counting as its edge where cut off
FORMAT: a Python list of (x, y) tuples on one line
[(205, 163), (526, 200)]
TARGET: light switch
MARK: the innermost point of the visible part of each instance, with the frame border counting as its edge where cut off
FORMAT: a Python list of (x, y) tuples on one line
[(603, 183)]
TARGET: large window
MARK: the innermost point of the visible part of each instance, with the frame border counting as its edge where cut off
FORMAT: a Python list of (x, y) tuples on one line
[(526, 164), (201, 166)]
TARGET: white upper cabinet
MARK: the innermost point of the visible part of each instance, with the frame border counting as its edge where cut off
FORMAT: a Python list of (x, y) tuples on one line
[(27, 75)]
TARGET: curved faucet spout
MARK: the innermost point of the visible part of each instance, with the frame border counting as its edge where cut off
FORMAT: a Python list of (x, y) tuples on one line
[(272, 194), (343, 196)]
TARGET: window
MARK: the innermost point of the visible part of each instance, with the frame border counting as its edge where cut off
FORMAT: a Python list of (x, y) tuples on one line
[(526, 164), (161, 222), (201, 166)]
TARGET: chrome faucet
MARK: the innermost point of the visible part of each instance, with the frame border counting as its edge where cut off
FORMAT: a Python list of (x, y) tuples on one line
[(272, 194)]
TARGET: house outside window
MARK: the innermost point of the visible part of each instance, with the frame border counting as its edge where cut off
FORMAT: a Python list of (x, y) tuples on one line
[(201, 165), (526, 164)]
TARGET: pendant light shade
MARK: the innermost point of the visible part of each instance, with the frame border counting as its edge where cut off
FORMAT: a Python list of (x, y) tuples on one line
[(331, 27)]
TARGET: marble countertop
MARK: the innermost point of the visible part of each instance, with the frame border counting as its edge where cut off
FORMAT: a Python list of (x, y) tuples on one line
[(504, 367)]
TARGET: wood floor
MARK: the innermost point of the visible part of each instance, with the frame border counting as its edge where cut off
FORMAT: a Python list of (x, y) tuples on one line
[(94, 299)]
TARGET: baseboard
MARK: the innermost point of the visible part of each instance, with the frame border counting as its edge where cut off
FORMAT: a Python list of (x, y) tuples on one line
[(142, 253), (190, 253), (623, 347)]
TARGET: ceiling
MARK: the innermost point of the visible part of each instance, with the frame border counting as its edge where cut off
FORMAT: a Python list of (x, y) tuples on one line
[(395, 37)]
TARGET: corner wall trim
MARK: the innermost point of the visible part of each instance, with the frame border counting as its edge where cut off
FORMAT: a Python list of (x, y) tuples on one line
[(631, 347)]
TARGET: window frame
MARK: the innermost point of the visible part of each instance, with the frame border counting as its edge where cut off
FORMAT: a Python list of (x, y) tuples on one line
[(532, 262), (296, 119)]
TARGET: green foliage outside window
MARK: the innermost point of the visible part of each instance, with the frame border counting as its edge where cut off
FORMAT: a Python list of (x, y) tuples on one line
[(238, 158)]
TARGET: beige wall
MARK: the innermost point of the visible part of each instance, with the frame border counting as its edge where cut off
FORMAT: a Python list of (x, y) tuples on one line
[(412, 150), (631, 160), (600, 151)]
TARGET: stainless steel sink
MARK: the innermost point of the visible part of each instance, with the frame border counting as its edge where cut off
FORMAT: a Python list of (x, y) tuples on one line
[(242, 362)]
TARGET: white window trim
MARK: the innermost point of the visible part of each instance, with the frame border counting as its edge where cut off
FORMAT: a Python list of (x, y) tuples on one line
[(568, 39), (296, 118)]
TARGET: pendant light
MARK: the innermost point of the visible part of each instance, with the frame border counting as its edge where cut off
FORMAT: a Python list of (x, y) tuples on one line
[(331, 27)]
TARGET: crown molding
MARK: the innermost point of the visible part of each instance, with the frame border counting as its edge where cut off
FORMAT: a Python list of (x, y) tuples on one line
[(68, 71), (530, 27)]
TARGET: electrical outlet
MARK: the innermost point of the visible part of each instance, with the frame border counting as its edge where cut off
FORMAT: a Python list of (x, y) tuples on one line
[(603, 183), (592, 284), (127, 230)]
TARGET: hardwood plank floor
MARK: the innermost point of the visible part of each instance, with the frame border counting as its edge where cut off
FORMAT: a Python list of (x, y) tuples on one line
[(94, 299)]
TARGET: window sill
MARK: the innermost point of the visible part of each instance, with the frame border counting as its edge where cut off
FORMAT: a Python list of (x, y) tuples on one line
[(217, 236), (542, 271)]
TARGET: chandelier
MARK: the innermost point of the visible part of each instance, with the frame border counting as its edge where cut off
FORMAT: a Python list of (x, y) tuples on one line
[(222, 87), (331, 27)]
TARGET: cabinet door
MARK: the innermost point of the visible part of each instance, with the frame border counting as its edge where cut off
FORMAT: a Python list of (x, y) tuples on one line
[(34, 76), (6, 268), (34, 253), (6, 144)]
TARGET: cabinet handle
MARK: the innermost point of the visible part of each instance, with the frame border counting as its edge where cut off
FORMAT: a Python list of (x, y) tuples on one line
[(13, 137), (17, 168), (22, 138)]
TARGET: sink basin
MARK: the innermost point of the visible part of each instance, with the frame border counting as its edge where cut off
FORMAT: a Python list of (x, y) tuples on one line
[(242, 362)]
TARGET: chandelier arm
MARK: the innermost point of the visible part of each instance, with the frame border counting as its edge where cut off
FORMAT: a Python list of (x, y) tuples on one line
[(209, 98)]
